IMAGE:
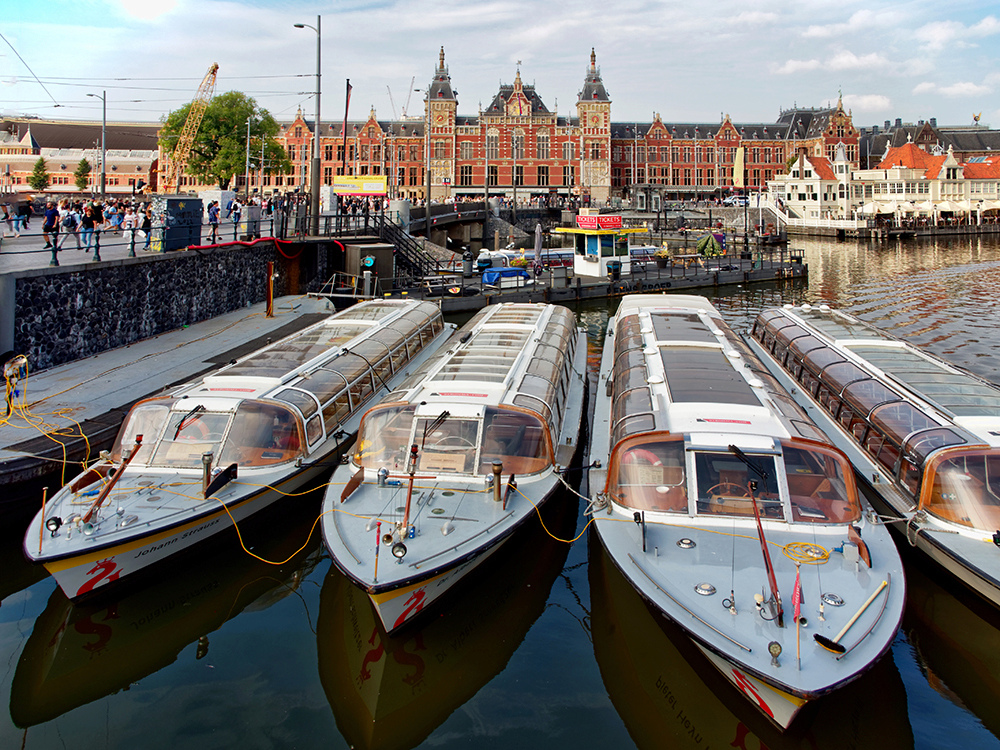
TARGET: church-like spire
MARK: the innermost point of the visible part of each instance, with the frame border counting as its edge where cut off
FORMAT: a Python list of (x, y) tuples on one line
[(593, 86), (441, 85)]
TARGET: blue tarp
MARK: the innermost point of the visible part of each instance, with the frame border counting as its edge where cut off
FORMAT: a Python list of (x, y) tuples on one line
[(494, 275)]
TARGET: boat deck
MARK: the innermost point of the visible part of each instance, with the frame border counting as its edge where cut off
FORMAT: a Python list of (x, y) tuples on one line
[(95, 393)]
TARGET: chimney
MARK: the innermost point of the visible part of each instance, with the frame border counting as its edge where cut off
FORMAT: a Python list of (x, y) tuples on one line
[(933, 122), (899, 122), (886, 124)]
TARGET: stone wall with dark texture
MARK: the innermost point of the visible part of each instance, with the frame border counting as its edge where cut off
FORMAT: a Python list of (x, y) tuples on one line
[(67, 313)]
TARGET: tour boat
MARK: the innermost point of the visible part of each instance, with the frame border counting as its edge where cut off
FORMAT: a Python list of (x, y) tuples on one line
[(731, 513), (458, 457), (923, 434), (188, 465)]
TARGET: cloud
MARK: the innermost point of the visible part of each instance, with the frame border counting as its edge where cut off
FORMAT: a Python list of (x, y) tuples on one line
[(867, 102), (936, 36), (147, 10), (798, 66), (955, 90), (860, 20), (839, 61)]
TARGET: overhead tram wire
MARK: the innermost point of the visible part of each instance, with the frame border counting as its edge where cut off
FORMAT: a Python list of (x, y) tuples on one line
[(24, 62)]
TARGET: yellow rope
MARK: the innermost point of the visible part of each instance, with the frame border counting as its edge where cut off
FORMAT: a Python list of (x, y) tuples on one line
[(545, 528)]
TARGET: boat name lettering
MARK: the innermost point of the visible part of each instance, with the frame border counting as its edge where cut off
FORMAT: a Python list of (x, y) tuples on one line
[(725, 421), (155, 548), (689, 726), (470, 395), (665, 691), (189, 532)]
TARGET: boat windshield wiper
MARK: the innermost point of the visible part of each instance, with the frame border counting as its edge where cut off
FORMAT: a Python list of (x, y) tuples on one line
[(431, 426), (750, 464), (185, 419)]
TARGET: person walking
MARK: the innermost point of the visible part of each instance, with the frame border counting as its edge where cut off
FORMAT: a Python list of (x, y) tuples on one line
[(70, 221), (235, 213), (213, 221), (147, 225), (50, 225), (87, 224)]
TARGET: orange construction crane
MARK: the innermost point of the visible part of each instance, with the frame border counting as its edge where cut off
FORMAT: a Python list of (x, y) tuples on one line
[(179, 157)]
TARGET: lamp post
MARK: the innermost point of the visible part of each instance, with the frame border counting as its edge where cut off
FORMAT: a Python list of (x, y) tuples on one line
[(247, 164), (314, 197), (103, 96)]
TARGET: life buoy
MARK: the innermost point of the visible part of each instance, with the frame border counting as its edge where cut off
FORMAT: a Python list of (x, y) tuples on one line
[(635, 454)]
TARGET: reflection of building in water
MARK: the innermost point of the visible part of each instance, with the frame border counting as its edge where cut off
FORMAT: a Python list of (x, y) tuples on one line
[(669, 695)]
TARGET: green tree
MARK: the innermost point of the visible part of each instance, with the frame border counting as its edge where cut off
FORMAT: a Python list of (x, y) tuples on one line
[(220, 146), (82, 175), (39, 178)]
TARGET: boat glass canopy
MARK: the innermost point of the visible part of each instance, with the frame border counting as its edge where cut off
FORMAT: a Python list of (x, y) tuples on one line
[(963, 486), (652, 472), (453, 444)]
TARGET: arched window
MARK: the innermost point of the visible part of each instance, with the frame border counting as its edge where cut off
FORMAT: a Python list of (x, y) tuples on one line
[(543, 145)]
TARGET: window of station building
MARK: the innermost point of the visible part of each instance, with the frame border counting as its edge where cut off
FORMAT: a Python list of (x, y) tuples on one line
[(543, 146), (709, 154), (439, 149), (567, 150), (413, 175), (543, 175), (376, 152), (327, 175), (517, 145), (465, 150), (465, 175), (328, 152), (595, 150), (569, 175), (519, 175), (415, 153), (493, 145), (493, 178)]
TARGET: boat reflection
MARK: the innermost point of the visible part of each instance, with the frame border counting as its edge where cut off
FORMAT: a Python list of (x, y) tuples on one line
[(669, 695), (393, 691), (956, 641), (79, 653)]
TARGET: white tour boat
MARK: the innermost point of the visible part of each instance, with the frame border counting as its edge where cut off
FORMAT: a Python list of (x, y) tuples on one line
[(731, 513), (457, 458), (190, 464), (923, 434)]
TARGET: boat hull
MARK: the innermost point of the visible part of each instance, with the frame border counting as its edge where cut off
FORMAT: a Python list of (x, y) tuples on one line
[(80, 575)]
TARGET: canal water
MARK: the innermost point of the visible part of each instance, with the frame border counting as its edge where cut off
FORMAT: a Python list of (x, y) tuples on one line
[(547, 646)]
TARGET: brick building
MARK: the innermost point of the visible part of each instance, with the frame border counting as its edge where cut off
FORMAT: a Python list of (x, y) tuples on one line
[(518, 147)]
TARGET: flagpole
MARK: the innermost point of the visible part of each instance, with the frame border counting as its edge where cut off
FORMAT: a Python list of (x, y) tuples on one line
[(797, 597), (343, 154)]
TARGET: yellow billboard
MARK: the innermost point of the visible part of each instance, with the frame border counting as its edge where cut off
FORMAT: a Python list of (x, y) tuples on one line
[(367, 185)]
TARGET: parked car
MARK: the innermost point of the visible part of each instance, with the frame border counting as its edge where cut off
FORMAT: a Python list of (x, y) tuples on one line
[(736, 200)]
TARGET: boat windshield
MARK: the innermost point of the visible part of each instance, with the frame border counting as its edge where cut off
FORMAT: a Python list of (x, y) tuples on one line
[(453, 444), (723, 485), (650, 474), (188, 435), (820, 485), (146, 419), (964, 487), (262, 434)]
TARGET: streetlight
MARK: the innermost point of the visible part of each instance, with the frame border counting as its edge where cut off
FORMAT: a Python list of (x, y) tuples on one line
[(314, 198), (103, 96), (247, 165)]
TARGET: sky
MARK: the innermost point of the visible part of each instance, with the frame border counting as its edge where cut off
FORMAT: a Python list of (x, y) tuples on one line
[(688, 61)]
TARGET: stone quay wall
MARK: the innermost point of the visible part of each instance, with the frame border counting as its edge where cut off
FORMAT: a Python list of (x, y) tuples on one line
[(66, 313)]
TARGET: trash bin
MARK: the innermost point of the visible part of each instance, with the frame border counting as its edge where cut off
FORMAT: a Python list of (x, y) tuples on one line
[(467, 259), (615, 270)]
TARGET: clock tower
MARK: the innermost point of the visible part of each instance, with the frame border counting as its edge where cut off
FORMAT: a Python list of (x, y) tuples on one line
[(440, 113), (593, 110)]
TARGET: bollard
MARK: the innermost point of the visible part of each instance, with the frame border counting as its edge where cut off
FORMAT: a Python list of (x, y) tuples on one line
[(55, 259), (131, 243), (97, 245)]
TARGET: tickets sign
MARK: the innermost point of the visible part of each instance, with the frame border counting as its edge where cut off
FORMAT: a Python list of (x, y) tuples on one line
[(599, 222)]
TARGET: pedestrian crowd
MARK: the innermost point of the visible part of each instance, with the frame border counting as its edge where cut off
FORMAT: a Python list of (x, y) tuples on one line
[(78, 221)]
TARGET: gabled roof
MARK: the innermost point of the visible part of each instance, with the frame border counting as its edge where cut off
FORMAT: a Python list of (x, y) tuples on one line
[(822, 167), (980, 170)]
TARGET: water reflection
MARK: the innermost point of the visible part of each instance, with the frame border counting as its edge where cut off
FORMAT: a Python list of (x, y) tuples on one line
[(392, 692), (669, 695), (956, 641), (77, 654)]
